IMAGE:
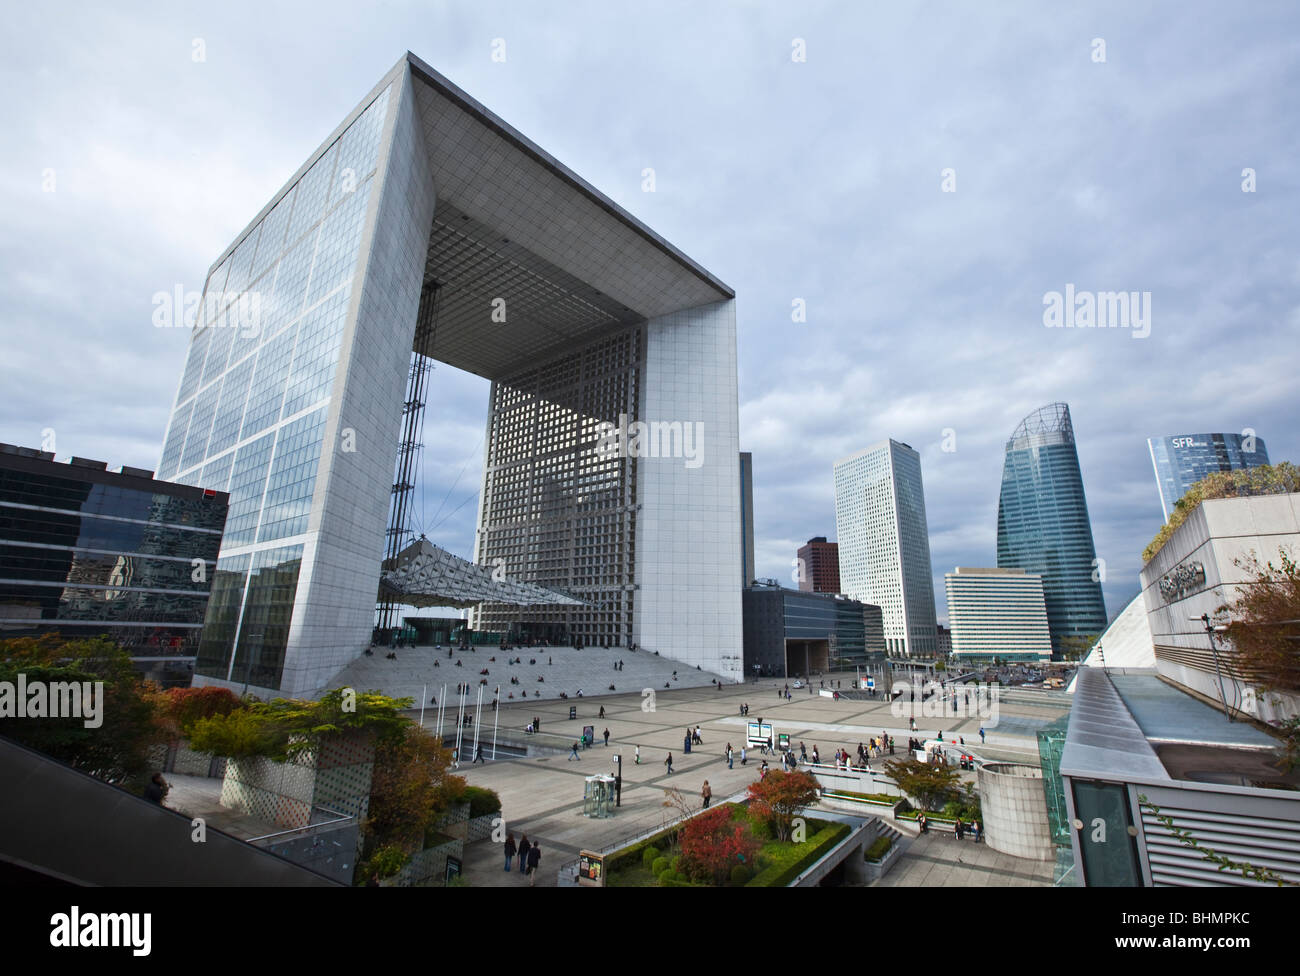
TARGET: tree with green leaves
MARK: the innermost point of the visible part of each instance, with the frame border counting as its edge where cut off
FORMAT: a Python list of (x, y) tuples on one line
[(931, 785), (117, 750), (779, 797), (1264, 631)]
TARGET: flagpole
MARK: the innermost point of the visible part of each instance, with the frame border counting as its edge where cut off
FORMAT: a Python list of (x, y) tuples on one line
[(496, 717)]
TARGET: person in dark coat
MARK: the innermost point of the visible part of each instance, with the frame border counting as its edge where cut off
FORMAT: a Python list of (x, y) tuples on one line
[(524, 848), (534, 859), (157, 789), (511, 849)]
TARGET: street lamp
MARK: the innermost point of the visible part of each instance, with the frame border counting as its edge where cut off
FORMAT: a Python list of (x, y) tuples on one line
[(1214, 649)]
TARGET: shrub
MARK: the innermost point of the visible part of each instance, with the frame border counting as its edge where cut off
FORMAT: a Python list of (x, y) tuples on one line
[(713, 843), (880, 848), (482, 801), (185, 706), (740, 875), (649, 856), (665, 876), (659, 866), (387, 861), (677, 863), (1266, 479)]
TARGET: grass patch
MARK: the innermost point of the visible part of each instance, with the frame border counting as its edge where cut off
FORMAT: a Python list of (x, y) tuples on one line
[(884, 799), (780, 862)]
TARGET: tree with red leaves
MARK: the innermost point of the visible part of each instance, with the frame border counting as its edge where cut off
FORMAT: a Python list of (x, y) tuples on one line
[(713, 844), (779, 797)]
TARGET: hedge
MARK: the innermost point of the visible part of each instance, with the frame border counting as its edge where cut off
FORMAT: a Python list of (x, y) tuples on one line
[(880, 798), (481, 801), (880, 848), (786, 865), (630, 856)]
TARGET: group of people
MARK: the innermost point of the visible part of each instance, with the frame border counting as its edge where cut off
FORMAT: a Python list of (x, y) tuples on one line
[(530, 856), (959, 829)]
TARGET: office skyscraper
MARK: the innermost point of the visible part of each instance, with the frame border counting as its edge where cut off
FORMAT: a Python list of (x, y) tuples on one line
[(1181, 460), (884, 543), (1043, 523)]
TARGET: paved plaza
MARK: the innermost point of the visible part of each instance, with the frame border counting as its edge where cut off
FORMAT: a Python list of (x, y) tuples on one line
[(541, 796)]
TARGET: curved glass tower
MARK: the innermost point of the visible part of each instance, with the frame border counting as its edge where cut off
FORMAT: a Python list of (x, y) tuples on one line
[(1043, 523)]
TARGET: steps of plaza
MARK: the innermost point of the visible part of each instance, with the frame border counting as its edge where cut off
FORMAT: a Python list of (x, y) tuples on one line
[(422, 672)]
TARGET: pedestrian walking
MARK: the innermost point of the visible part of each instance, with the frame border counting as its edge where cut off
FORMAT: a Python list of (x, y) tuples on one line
[(981, 735), (534, 859), (607, 738), (478, 756), (637, 760), (744, 758), (669, 763), (574, 755), (524, 848), (602, 712), (730, 762), (707, 794), (511, 849)]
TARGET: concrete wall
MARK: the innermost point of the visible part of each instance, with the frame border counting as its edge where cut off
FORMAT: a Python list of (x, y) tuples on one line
[(688, 530), (1014, 810), (1217, 533)]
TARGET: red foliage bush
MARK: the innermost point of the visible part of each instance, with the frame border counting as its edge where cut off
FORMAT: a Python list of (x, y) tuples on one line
[(713, 844), (185, 706)]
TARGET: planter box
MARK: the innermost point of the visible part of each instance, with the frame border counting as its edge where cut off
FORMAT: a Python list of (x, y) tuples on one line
[(878, 869)]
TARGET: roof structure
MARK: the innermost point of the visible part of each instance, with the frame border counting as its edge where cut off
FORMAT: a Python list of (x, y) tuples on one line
[(425, 575), (1046, 425), (517, 232)]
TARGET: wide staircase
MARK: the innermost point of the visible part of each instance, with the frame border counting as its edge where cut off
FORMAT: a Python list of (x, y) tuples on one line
[(420, 673)]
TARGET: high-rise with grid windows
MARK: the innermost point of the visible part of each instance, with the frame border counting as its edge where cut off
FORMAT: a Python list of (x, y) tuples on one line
[(425, 226), (884, 543)]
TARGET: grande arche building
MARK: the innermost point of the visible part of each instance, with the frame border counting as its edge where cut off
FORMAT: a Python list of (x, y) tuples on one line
[(421, 223)]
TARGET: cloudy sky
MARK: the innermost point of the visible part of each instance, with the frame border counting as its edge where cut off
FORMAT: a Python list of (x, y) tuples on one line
[(1096, 146)]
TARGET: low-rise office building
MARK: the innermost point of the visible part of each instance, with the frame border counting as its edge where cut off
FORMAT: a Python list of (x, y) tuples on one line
[(997, 613), (88, 552), (790, 633)]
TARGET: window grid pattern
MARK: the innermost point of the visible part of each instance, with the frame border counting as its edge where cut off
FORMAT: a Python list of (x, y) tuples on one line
[(287, 506), (556, 512), (295, 268)]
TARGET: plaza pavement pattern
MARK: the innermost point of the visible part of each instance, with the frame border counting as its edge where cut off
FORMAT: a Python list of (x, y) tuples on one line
[(542, 795)]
